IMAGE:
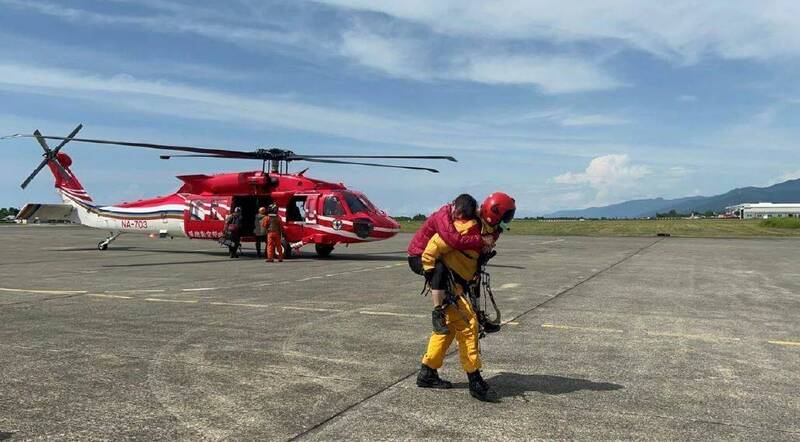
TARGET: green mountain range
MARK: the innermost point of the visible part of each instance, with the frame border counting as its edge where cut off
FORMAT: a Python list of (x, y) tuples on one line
[(786, 192)]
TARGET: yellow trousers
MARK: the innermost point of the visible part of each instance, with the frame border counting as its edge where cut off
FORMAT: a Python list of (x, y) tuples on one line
[(466, 333)]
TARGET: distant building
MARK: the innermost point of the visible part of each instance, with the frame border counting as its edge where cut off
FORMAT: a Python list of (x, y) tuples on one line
[(34, 213), (764, 210)]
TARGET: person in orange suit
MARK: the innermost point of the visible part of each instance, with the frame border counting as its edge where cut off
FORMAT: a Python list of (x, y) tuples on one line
[(272, 223)]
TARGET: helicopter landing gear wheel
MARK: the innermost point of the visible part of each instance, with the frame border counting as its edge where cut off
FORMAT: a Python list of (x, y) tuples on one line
[(103, 245), (288, 253), (323, 250)]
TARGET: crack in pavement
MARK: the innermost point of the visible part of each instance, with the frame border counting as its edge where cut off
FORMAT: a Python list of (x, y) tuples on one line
[(340, 413)]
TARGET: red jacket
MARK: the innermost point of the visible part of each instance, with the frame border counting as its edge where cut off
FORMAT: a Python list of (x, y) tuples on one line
[(441, 222)]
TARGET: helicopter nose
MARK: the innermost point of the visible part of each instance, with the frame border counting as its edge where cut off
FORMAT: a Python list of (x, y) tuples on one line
[(363, 227), (385, 226)]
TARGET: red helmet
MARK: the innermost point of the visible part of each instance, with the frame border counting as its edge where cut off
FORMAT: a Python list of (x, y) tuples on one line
[(498, 208)]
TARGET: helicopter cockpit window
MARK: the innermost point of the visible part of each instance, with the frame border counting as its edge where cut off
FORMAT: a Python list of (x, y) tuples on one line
[(355, 203), (366, 201), (332, 207)]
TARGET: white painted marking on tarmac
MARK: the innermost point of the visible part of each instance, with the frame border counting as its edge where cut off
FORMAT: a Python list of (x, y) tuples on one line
[(200, 289), (547, 242), (510, 285), (349, 272), (181, 301), (407, 315), (570, 327), (310, 309), (240, 304), (309, 278), (101, 295), (137, 291), (790, 343), (45, 292), (509, 322)]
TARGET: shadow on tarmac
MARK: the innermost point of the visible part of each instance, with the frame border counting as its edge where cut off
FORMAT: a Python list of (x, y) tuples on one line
[(502, 266), (222, 254), (155, 264), (6, 435), (516, 385)]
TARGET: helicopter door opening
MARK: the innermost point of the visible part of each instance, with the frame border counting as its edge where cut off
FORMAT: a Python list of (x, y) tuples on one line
[(296, 209), (250, 205), (295, 218)]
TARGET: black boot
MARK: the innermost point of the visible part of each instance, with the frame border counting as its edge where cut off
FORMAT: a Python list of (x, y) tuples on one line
[(488, 327), (479, 389), (429, 378), (439, 321)]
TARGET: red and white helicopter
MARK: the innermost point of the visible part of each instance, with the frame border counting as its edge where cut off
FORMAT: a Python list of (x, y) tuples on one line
[(313, 211)]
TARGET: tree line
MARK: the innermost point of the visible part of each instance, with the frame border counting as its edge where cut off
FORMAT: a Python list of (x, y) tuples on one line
[(8, 211)]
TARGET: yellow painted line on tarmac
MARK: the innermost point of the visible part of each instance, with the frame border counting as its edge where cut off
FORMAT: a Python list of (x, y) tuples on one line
[(105, 295), (570, 327), (406, 315), (180, 301), (44, 292), (509, 323), (790, 343), (688, 336), (510, 285)]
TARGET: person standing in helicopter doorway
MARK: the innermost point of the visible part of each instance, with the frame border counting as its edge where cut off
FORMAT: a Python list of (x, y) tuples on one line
[(233, 230), (259, 231), (272, 223)]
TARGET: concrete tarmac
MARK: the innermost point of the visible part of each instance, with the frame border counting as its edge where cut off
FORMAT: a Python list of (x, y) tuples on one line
[(610, 338)]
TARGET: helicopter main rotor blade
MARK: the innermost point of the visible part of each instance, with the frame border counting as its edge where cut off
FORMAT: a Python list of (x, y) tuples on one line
[(68, 138), (35, 172), (40, 139), (201, 155), (203, 150), (315, 160), (387, 157)]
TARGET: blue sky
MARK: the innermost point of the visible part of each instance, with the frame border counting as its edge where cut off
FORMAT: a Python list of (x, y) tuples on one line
[(561, 104)]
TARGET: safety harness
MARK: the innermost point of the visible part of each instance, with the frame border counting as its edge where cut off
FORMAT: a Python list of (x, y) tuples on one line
[(471, 289)]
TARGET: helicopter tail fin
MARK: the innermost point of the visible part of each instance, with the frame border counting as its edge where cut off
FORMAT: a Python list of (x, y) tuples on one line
[(67, 183)]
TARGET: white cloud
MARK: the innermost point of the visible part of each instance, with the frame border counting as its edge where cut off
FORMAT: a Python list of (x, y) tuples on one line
[(610, 175), (181, 21), (399, 57), (412, 58), (178, 100), (593, 120), (786, 177), (681, 30), (678, 172), (552, 74)]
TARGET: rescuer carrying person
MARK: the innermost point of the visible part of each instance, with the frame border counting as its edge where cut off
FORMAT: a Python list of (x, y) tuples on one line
[(461, 319), (272, 223), (441, 223)]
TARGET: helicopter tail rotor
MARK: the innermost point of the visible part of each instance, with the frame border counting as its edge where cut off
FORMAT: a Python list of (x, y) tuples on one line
[(50, 155)]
